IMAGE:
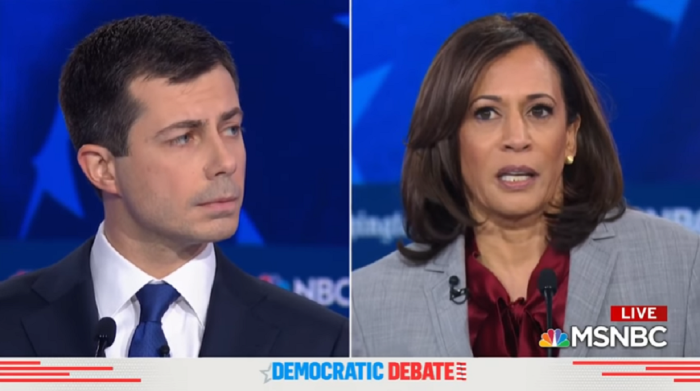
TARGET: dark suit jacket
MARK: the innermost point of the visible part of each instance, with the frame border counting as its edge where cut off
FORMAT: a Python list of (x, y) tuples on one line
[(52, 313)]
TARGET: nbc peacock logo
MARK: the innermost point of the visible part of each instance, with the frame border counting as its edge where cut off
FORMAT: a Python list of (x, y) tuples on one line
[(554, 339), (275, 279)]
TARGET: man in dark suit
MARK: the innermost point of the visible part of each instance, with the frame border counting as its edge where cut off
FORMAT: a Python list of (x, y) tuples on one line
[(151, 105)]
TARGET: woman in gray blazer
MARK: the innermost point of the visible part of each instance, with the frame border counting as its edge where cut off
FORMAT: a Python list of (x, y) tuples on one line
[(513, 197)]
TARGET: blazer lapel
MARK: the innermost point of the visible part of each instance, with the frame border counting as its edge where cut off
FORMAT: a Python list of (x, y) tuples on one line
[(591, 266), (64, 327), (235, 325), (449, 320)]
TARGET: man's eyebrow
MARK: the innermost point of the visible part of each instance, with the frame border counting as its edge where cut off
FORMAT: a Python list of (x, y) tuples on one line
[(198, 123), (186, 124), (227, 115)]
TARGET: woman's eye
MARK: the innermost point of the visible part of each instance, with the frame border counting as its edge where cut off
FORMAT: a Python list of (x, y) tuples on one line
[(485, 114), (541, 111)]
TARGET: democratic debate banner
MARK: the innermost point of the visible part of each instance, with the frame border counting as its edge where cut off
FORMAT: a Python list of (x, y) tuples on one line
[(377, 216), (524, 374)]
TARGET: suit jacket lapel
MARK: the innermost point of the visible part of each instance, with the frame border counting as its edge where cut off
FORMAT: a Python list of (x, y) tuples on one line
[(592, 264), (64, 327), (236, 325), (449, 320)]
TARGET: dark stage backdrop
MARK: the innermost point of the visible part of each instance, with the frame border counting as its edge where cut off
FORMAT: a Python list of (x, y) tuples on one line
[(293, 59), (642, 54)]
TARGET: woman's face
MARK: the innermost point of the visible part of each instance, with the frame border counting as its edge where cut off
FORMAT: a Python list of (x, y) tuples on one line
[(514, 140)]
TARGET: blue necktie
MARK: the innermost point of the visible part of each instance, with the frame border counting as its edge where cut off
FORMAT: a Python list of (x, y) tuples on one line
[(149, 338)]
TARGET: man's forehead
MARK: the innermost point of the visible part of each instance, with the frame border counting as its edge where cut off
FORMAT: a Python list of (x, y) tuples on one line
[(203, 100), (217, 81), (207, 90)]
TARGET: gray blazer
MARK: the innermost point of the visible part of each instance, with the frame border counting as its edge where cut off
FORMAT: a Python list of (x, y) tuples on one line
[(404, 311)]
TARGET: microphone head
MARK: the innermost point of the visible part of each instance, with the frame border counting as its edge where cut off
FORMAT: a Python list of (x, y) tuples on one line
[(454, 280), (106, 330), (547, 280), (164, 351)]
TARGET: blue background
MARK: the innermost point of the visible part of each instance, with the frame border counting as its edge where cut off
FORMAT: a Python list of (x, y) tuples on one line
[(644, 58), (293, 60)]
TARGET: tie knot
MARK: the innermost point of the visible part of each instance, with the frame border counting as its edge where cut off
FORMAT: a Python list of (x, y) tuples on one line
[(154, 300)]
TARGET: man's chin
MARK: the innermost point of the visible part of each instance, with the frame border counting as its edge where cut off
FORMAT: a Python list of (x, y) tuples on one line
[(218, 231)]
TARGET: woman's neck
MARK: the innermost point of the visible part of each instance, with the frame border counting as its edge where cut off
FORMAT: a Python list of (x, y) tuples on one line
[(511, 247)]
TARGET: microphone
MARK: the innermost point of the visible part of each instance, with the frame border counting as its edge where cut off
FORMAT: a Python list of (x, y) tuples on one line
[(456, 293), (105, 332), (547, 284), (164, 351)]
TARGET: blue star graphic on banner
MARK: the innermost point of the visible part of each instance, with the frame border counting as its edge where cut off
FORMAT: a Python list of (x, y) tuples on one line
[(343, 19), (364, 88), (54, 175), (671, 11)]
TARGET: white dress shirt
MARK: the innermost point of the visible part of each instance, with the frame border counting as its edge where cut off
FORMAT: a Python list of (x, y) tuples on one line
[(117, 280)]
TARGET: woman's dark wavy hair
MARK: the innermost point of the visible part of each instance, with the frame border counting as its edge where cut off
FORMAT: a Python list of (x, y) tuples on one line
[(433, 189)]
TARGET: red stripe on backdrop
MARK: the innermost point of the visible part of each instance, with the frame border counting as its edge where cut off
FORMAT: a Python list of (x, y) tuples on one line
[(35, 374), (70, 380), (651, 374), (636, 362), (57, 369), (20, 362)]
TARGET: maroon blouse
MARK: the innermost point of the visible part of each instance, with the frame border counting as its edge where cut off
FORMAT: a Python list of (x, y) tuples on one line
[(499, 327)]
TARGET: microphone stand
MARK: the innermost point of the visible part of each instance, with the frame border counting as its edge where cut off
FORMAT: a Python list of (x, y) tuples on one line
[(548, 298), (101, 342), (547, 284)]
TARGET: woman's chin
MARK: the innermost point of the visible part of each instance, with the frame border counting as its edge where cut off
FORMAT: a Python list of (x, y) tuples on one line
[(518, 212)]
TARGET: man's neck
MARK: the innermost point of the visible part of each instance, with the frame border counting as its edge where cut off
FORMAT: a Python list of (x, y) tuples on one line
[(156, 257)]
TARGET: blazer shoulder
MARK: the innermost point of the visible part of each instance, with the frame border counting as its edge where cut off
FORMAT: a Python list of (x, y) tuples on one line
[(24, 292), (18, 286), (288, 309), (390, 262), (17, 298), (634, 225), (391, 269)]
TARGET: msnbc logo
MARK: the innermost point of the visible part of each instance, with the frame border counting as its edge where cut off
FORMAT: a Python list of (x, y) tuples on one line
[(554, 339)]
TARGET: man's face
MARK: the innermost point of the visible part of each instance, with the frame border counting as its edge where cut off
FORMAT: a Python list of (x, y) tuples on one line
[(183, 177)]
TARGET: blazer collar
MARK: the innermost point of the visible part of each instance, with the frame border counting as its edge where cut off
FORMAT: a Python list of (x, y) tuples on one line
[(64, 327), (239, 324), (592, 265), (238, 320), (449, 319)]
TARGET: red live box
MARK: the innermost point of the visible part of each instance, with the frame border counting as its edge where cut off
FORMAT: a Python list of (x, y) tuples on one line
[(639, 313)]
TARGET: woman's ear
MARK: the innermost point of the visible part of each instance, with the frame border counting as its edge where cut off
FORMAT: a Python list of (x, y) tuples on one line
[(571, 137)]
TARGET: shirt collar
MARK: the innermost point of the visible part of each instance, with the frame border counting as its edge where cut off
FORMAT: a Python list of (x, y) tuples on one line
[(116, 280)]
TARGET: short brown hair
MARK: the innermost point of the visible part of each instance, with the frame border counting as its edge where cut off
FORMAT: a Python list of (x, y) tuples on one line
[(94, 86), (435, 196)]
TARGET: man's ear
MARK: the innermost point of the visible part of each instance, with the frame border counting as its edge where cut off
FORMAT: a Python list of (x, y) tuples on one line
[(97, 164)]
